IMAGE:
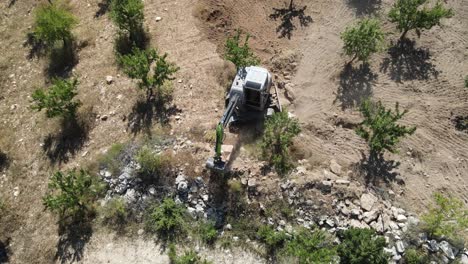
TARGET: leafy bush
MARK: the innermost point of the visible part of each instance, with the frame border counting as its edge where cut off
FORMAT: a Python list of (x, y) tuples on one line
[(208, 232), (240, 54), (379, 127), (54, 23), (152, 164), (57, 99), (128, 15), (311, 247), (448, 218), (111, 159), (189, 257), (361, 246), (167, 219), (408, 15), (413, 256), (137, 65), (72, 193), (363, 39), (278, 136), (273, 240), (114, 212)]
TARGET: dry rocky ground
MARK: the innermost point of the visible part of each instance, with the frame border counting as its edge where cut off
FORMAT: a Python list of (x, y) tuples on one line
[(326, 188)]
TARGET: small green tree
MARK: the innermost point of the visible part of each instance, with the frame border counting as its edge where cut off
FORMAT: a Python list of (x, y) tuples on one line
[(53, 24), (152, 164), (278, 136), (448, 218), (114, 212), (379, 127), (362, 246), (238, 53), (137, 65), (167, 219), (71, 194), (273, 240), (57, 99), (408, 15), (208, 232), (413, 256), (129, 17), (363, 39)]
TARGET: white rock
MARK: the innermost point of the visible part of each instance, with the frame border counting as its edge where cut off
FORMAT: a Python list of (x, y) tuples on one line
[(140, 232), (369, 216), (401, 218), (464, 259), (342, 182), (109, 79), (16, 191), (158, 19), (335, 167), (400, 246), (228, 227), (447, 249), (367, 201)]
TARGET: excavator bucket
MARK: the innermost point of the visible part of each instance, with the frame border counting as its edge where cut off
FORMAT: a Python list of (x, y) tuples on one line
[(218, 166)]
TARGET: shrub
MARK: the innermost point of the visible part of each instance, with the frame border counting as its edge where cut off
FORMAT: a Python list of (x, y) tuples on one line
[(54, 23), (408, 15), (240, 54), (278, 136), (128, 15), (167, 219), (57, 99), (72, 193), (114, 212), (189, 257), (361, 246), (273, 240), (208, 232), (448, 218), (466, 81), (363, 39), (111, 159), (311, 247), (413, 256), (152, 164), (137, 66), (379, 127)]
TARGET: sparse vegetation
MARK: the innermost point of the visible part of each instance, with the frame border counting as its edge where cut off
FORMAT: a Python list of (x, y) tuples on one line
[(240, 53), (72, 193), (278, 136), (114, 212), (362, 246), (448, 218), (208, 232), (54, 24), (272, 239), (379, 127), (111, 159), (137, 65), (58, 99), (410, 14), (189, 257), (167, 219), (152, 164), (413, 256), (363, 39)]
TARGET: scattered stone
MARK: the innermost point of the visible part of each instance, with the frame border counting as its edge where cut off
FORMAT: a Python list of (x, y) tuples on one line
[(342, 182), (152, 191), (464, 259), (13, 107), (401, 218), (158, 19), (367, 201), (140, 232), (16, 191), (369, 216), (326, 186), (109, 79), (228, 227), (104, 117), (400, 246), (447, 249), (433, 246), (335, 167)]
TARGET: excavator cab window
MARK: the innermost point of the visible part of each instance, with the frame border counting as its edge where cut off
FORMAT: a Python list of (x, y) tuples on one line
[(252, 97)]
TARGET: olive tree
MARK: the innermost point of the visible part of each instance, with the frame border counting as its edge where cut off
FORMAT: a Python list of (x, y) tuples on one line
[(53, 23), (278, 136), (129, 17), (363, 39), (409, 14), (71, 194), (239, 53), (137, 65), (380, 128), (58, 99)]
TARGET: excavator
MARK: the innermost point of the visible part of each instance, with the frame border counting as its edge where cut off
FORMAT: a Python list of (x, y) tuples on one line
[(249, 99)]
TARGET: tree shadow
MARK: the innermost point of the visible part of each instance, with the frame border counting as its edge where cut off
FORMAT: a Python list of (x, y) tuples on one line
[(406, 62), (365, 7), (4, 161), (37, 47), (375, 168), (11, 3), (355, 85), (125, 43), (73, 238), (104, 6), (286, 15), (73, 134), (5, 251), (61, 61), (461, 123), (145, 111)]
